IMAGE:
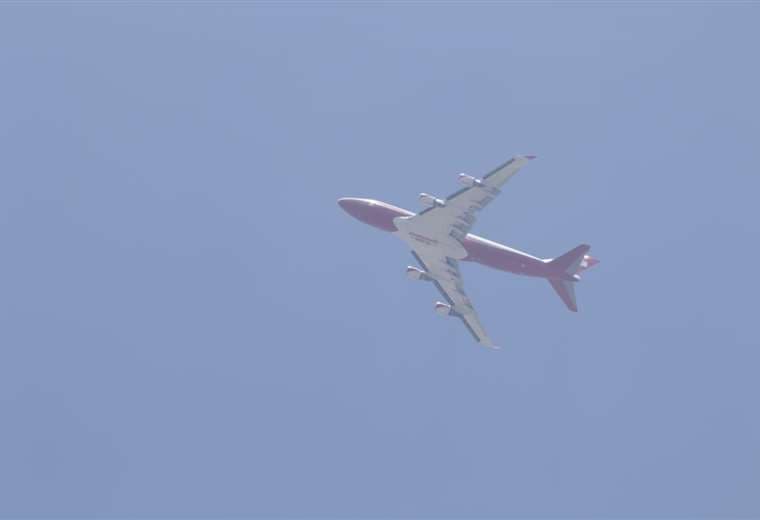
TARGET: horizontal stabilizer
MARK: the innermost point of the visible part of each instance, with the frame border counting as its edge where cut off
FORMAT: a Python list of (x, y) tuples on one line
[(566, 291)]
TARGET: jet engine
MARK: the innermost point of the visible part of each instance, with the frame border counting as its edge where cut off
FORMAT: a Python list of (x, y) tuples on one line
[(414, 273), (429, 201), (444, 309), (469, 181)]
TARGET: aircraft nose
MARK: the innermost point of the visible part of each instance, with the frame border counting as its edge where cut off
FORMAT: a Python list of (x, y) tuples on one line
[(349, 204), (345, 202)]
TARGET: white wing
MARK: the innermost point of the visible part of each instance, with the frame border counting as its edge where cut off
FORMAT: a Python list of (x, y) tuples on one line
[(457, 215), (436, 234), (444, 273)]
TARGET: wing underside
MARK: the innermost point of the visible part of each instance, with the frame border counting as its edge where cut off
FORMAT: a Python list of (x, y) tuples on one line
[(436, 237), (445, 275), (457, 215)]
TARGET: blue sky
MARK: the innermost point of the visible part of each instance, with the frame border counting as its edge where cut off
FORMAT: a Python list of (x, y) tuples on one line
[(190, 326)]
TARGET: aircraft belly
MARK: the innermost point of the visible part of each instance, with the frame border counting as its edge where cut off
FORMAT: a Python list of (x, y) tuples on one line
[(503, 258)]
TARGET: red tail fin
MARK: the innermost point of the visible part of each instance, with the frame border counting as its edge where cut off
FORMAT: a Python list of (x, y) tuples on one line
[(570, 262), (567, 267)]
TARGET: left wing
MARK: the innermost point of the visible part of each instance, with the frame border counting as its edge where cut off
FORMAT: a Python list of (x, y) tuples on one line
[(457, 213), (444, 272)]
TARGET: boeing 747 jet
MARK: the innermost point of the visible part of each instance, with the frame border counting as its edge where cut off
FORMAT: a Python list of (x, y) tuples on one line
[(439, 237)]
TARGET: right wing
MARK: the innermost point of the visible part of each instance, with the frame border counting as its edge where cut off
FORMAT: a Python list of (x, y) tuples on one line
[(445, 275)]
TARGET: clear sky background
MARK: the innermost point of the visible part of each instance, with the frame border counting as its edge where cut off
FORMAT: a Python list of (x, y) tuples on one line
[(190, 325)]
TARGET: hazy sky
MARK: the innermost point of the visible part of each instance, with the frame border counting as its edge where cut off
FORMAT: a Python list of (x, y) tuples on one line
[(190, 325)]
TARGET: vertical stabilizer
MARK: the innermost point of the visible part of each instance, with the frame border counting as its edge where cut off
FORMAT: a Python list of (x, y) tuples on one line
[(564, 273), (571, 261)]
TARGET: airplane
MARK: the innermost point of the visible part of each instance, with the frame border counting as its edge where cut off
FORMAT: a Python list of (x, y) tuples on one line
[(439, 238)]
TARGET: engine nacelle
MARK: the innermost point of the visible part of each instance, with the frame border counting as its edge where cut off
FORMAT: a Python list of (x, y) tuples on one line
[(414, 273), (469, 181), (444, 309), (429, 201)]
